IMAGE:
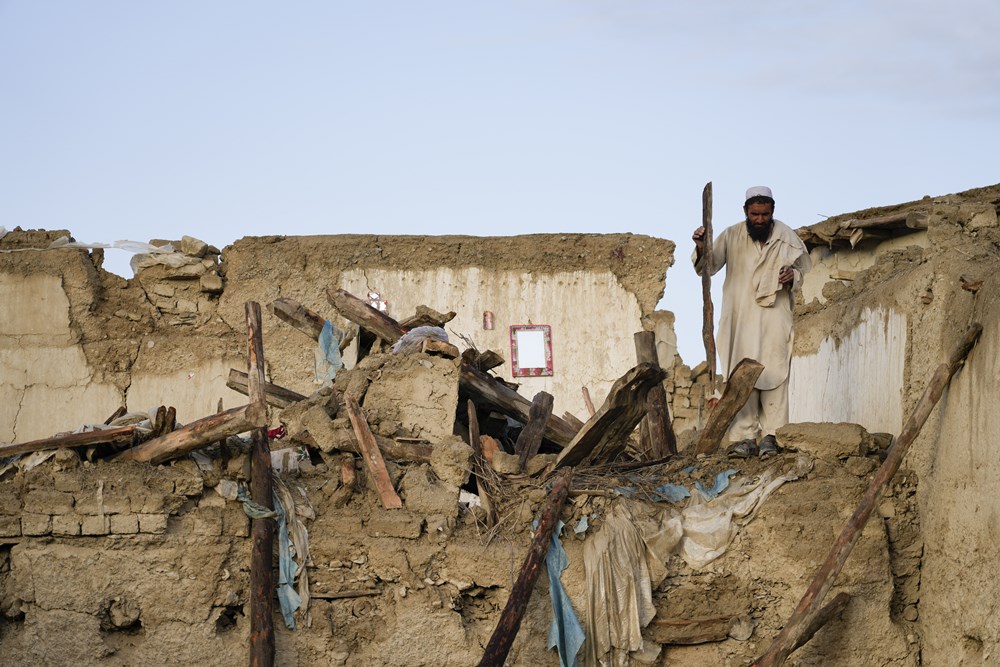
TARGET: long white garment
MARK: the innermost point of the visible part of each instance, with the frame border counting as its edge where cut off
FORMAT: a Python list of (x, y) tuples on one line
[(756, 320)]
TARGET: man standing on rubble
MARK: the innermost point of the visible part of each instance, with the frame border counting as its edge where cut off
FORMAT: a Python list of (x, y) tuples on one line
[(764, 261)]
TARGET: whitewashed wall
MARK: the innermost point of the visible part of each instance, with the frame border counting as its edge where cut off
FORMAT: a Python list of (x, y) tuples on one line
[(592, 316), (858, 380)]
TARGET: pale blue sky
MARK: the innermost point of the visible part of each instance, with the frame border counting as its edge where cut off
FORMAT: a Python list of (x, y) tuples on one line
[(220, 119)]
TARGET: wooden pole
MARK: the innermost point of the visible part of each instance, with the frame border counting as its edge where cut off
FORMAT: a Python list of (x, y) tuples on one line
[(365, 316), (372, 457), (661, 432), (807, 609), (117, 435), (708, 313), (307, 321), (510, 619), (261, 554), (530, 438), (197, 434), (276, 395)]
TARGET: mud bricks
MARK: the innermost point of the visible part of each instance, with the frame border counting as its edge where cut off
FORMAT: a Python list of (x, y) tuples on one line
[(66, 498)]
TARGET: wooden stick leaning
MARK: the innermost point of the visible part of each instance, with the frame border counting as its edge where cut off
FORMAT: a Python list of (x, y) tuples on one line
[(739, 386), (372, 457), (510, 619), (530, 439), (809, 606), (262, 530)]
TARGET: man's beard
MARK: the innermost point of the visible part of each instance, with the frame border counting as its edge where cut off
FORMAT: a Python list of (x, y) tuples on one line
[(759, 234)]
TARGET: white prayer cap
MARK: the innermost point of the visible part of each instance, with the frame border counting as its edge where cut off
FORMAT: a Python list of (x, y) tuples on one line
[(758, 191)]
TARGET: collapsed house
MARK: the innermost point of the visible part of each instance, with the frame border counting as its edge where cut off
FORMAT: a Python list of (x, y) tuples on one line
[(113, 557)]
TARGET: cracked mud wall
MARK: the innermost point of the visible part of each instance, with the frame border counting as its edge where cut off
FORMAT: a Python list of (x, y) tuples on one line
[(82, 341), (910, 305), (593, 290)]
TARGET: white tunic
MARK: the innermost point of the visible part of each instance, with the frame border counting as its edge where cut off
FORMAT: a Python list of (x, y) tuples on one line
[(756, 320)]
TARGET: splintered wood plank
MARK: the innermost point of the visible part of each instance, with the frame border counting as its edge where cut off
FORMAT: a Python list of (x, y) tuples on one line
[(663, 442), (604, 434), (427, 317), (366, 317), (530, 438), (738, 388), (372, 457), (197, 434)]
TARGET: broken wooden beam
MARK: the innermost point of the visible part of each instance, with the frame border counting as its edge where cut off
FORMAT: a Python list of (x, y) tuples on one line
[(500, 642), (662, 440), (434, 346), (605, 433), (348, 475), (347, 440), (366, 317), (688, 631), (427, 317), (572, 420), (305, 320), (808, 607), (372, 457), (298, 316), (276, 395), (530, 438), (261, 492), (738, 388), (197, 434), (117, 435), (484, 389), (482, 361)]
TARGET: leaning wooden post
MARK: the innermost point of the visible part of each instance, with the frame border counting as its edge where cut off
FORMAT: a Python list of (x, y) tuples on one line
[(261, 555), (808, 607), (661, 432), (510, 619), (530, 439), (739, 386)]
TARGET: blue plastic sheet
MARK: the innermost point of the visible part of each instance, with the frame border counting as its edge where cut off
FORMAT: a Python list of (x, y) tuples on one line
[(565, 633), (721, 482), (327, 357), (672, 493), (288, 597)]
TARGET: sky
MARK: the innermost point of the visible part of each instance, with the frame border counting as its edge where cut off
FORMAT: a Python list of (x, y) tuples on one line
[(221, 119)]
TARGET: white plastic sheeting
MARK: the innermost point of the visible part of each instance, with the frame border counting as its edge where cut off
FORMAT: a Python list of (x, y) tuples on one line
[(625, 561)]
